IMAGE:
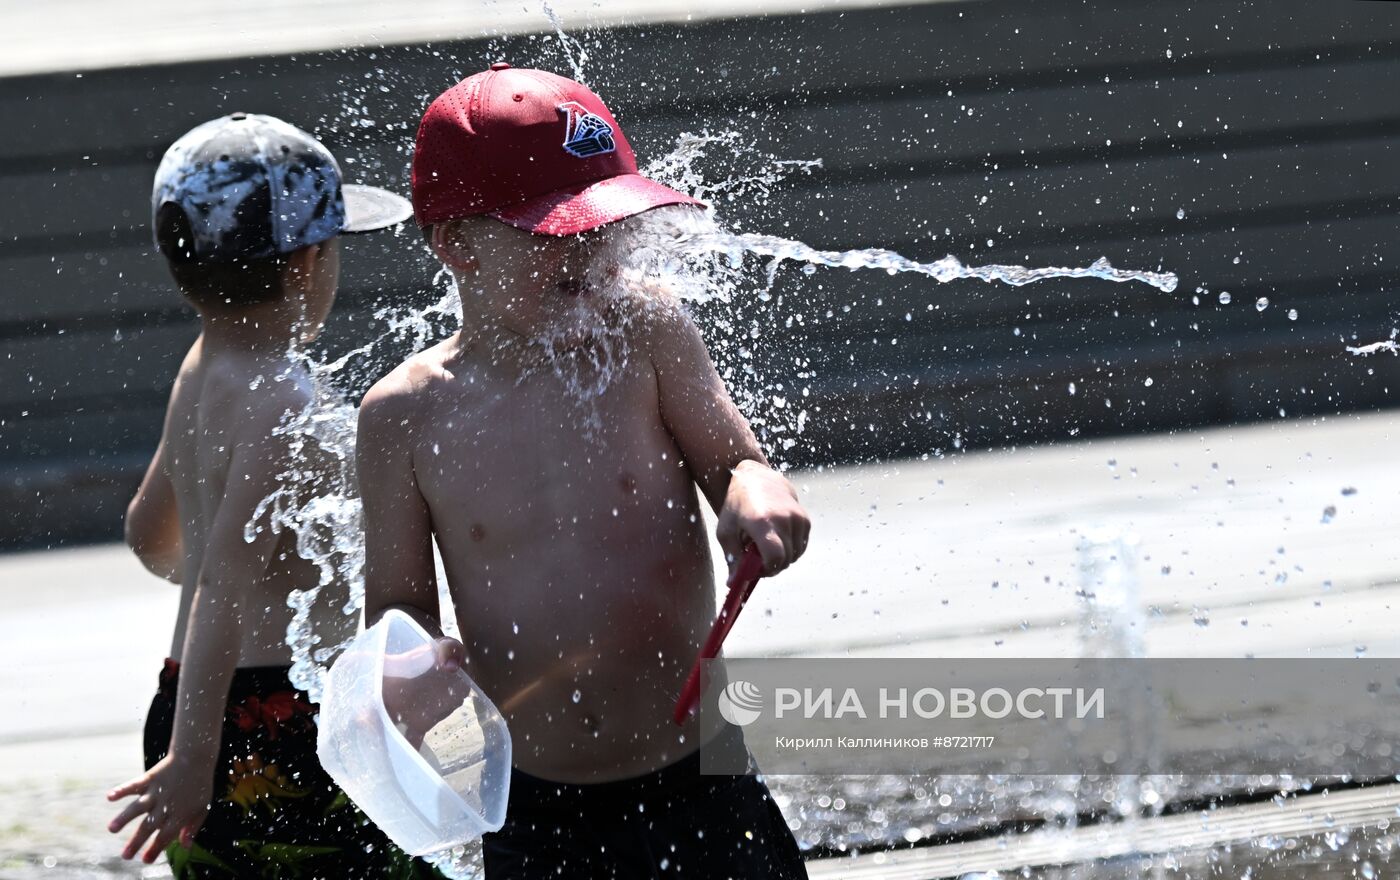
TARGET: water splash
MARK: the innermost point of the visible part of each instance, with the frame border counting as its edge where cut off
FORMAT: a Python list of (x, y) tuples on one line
[(573, 49), (668, 258), (947, 269), (683, 168), (318, 503), (1389, 345)]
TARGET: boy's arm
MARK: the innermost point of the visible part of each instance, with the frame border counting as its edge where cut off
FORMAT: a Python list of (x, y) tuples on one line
[(398, 527), (175, 793), (153, 521), (755, 503)]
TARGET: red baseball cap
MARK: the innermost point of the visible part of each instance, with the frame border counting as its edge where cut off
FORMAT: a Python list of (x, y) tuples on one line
[(531, 149)]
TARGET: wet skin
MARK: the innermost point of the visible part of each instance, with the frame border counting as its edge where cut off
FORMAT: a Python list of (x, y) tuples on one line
[(570, 530), (232, 389), (219, 456), (211, 406)]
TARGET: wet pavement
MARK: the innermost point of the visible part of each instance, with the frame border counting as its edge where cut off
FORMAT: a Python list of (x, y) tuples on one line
[(972, 556)]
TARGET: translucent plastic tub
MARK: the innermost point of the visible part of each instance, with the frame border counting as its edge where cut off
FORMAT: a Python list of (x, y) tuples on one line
[(412, 740)]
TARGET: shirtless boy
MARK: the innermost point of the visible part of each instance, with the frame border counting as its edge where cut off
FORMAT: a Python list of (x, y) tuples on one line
[(570, 531), (247, 210)]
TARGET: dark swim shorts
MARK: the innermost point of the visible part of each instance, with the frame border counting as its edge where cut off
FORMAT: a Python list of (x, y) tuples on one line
[(673, 823), (276, 813)]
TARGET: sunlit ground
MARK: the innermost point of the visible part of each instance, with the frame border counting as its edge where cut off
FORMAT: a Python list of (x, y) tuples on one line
[(973, 556)]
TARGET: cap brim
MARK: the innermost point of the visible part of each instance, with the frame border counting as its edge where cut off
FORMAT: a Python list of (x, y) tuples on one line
[(590, 205), (368, 208)]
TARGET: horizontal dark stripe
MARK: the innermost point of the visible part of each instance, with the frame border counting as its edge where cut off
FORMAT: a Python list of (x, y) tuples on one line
[(931, 170), (1067, 157), (1028, 357), (14, 415), (967, 85), (1098, 234), (347, 300), (750, 96), (968, 244)]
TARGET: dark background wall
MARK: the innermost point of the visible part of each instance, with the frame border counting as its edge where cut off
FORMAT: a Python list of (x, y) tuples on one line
[(1058, 132)]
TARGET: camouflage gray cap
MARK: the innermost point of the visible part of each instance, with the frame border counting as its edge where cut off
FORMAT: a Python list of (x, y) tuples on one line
[(254, 186)]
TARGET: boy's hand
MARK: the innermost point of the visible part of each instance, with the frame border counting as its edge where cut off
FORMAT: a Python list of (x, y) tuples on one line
[(423, 686), (761, 508), (174, 795)]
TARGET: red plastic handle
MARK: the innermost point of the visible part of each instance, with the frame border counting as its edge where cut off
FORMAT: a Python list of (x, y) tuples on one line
[(741, 583)]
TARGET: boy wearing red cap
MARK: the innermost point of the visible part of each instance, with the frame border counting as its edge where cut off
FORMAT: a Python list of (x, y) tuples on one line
[(569, 527)]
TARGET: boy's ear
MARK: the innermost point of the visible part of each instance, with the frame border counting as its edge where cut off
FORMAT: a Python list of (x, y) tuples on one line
[(452, 247), (300, 267)]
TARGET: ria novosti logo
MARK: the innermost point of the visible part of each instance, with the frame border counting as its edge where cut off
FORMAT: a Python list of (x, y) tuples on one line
[(740, 703)]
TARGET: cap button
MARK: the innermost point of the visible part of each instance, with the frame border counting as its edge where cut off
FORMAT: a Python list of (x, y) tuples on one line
[(240, 116), (500, 65)]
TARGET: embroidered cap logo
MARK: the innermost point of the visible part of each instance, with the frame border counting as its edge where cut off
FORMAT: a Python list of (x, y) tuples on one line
[(585, 134)]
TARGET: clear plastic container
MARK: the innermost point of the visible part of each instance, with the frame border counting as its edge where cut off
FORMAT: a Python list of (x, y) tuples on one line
[(412, 740)]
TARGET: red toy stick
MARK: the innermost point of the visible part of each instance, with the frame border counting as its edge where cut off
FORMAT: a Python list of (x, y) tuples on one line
[(741, 584)]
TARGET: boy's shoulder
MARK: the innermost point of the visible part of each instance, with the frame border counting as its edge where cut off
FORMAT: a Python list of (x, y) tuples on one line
[(667, 334), (401, 393), (249, 389)]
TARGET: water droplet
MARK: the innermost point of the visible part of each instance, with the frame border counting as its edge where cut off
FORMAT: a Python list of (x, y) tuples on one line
[(1224, 297), (578, 695), (1200, 616), (1292, 314), (1181, 213), (1349, 490), (1148, 382), (1261, 303), (1071, 388), (1328, 512)]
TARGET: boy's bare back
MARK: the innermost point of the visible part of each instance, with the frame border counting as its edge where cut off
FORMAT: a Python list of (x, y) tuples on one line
[(220, 451), (576, 557), (246, 210)]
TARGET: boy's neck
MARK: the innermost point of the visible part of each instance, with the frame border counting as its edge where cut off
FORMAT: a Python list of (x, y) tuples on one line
[(501, 347), (273, 328)]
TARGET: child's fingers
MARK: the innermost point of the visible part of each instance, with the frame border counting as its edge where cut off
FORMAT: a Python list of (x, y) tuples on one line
[(132, 810), (135, 786), (804, 532), (773, 550), (144, 830), (161, 840), (451, 654), (731, 539)]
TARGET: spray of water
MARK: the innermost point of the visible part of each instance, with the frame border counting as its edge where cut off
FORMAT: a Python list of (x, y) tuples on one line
[(947, 269), (573, 49), (669, 258), (1389, 345)]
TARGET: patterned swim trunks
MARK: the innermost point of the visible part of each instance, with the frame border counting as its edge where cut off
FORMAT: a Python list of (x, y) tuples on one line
[(275, 813)]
